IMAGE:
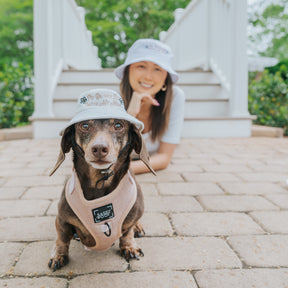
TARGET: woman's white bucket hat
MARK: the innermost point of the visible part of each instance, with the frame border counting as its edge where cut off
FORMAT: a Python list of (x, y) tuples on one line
[(149, 50), (101, 104)]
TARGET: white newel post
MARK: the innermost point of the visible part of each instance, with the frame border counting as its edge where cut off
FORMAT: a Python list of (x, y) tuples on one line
[(43, 43), (61, 41), (239, 77)]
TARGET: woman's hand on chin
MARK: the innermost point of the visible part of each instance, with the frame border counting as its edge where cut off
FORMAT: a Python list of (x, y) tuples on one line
[(137, 100)]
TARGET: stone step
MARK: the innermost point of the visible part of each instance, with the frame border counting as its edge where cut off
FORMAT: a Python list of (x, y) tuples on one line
[(200, 91), (107, 76), (194, 127), (193, 108), (217, 127), (204, 95), (206, 108)]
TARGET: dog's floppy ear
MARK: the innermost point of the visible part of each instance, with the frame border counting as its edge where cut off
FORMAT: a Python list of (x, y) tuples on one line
[(66, 144), (140, 148)]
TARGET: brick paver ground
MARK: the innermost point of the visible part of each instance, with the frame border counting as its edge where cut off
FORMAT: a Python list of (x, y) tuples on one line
[(216, 218)]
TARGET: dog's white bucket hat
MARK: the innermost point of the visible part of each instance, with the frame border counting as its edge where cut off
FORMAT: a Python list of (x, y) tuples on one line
[(149, 50), (101, 104)]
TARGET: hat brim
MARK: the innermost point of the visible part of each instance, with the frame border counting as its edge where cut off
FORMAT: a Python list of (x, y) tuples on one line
[(103, 113), (119, 71)]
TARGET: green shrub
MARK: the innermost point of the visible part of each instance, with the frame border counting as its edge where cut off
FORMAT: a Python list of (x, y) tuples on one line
[(268, 98), (16, 95), (281, 67)]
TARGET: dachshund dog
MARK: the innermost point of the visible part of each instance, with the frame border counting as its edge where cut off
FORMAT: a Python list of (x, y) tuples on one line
[(101, 201)]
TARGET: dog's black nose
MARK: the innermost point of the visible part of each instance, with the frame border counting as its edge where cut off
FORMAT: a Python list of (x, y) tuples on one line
[(100, 150)]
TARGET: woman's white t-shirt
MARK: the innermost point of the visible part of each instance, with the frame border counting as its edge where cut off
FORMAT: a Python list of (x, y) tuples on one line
[(173, 133)]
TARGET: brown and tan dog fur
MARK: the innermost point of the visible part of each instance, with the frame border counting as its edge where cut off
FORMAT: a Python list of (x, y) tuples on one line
[(98, 145)]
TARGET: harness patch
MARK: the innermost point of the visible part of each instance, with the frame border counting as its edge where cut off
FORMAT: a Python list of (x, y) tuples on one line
[(103, 213)]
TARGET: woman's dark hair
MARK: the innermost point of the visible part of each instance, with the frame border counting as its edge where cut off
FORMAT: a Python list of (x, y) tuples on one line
[(160, 115)]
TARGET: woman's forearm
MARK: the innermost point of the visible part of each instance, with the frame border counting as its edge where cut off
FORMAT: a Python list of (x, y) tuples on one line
[(157, 162), (134, 105)]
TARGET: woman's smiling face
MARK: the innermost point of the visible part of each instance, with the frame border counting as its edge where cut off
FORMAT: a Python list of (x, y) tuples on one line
[(146, 77)]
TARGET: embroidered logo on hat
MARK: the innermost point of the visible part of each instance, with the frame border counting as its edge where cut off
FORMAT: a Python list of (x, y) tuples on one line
[(98, 100), (156, 47)]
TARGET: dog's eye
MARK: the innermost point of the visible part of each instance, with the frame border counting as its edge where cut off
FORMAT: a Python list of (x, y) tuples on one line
[(84, 126), (118, 125)]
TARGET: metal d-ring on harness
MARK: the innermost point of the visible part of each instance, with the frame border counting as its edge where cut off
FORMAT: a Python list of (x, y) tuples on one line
[(108, 234)]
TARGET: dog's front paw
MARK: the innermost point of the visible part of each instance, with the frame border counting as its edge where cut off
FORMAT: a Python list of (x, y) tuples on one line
[(58, 262), (128, 246), (131, 253)]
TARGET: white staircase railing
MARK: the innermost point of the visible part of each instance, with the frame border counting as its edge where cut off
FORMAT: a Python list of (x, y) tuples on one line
[(212, 34), (188, 37), (61, 40)]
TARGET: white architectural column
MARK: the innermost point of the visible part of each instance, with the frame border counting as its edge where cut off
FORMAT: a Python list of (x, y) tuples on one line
[(43, 45), (239, 61)]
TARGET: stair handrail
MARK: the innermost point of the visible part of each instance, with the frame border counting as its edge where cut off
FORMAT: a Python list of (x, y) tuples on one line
[(211, 34), (187, 36), (61, 41)]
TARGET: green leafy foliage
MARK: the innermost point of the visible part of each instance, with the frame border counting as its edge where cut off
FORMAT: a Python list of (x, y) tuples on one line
[(268, 96), (116, 24), (16, 50), (16, 33), (16, 95), (270, 24), (281, 67)]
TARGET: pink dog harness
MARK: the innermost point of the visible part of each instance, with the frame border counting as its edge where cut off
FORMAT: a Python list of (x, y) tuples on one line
[(103, 217)]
